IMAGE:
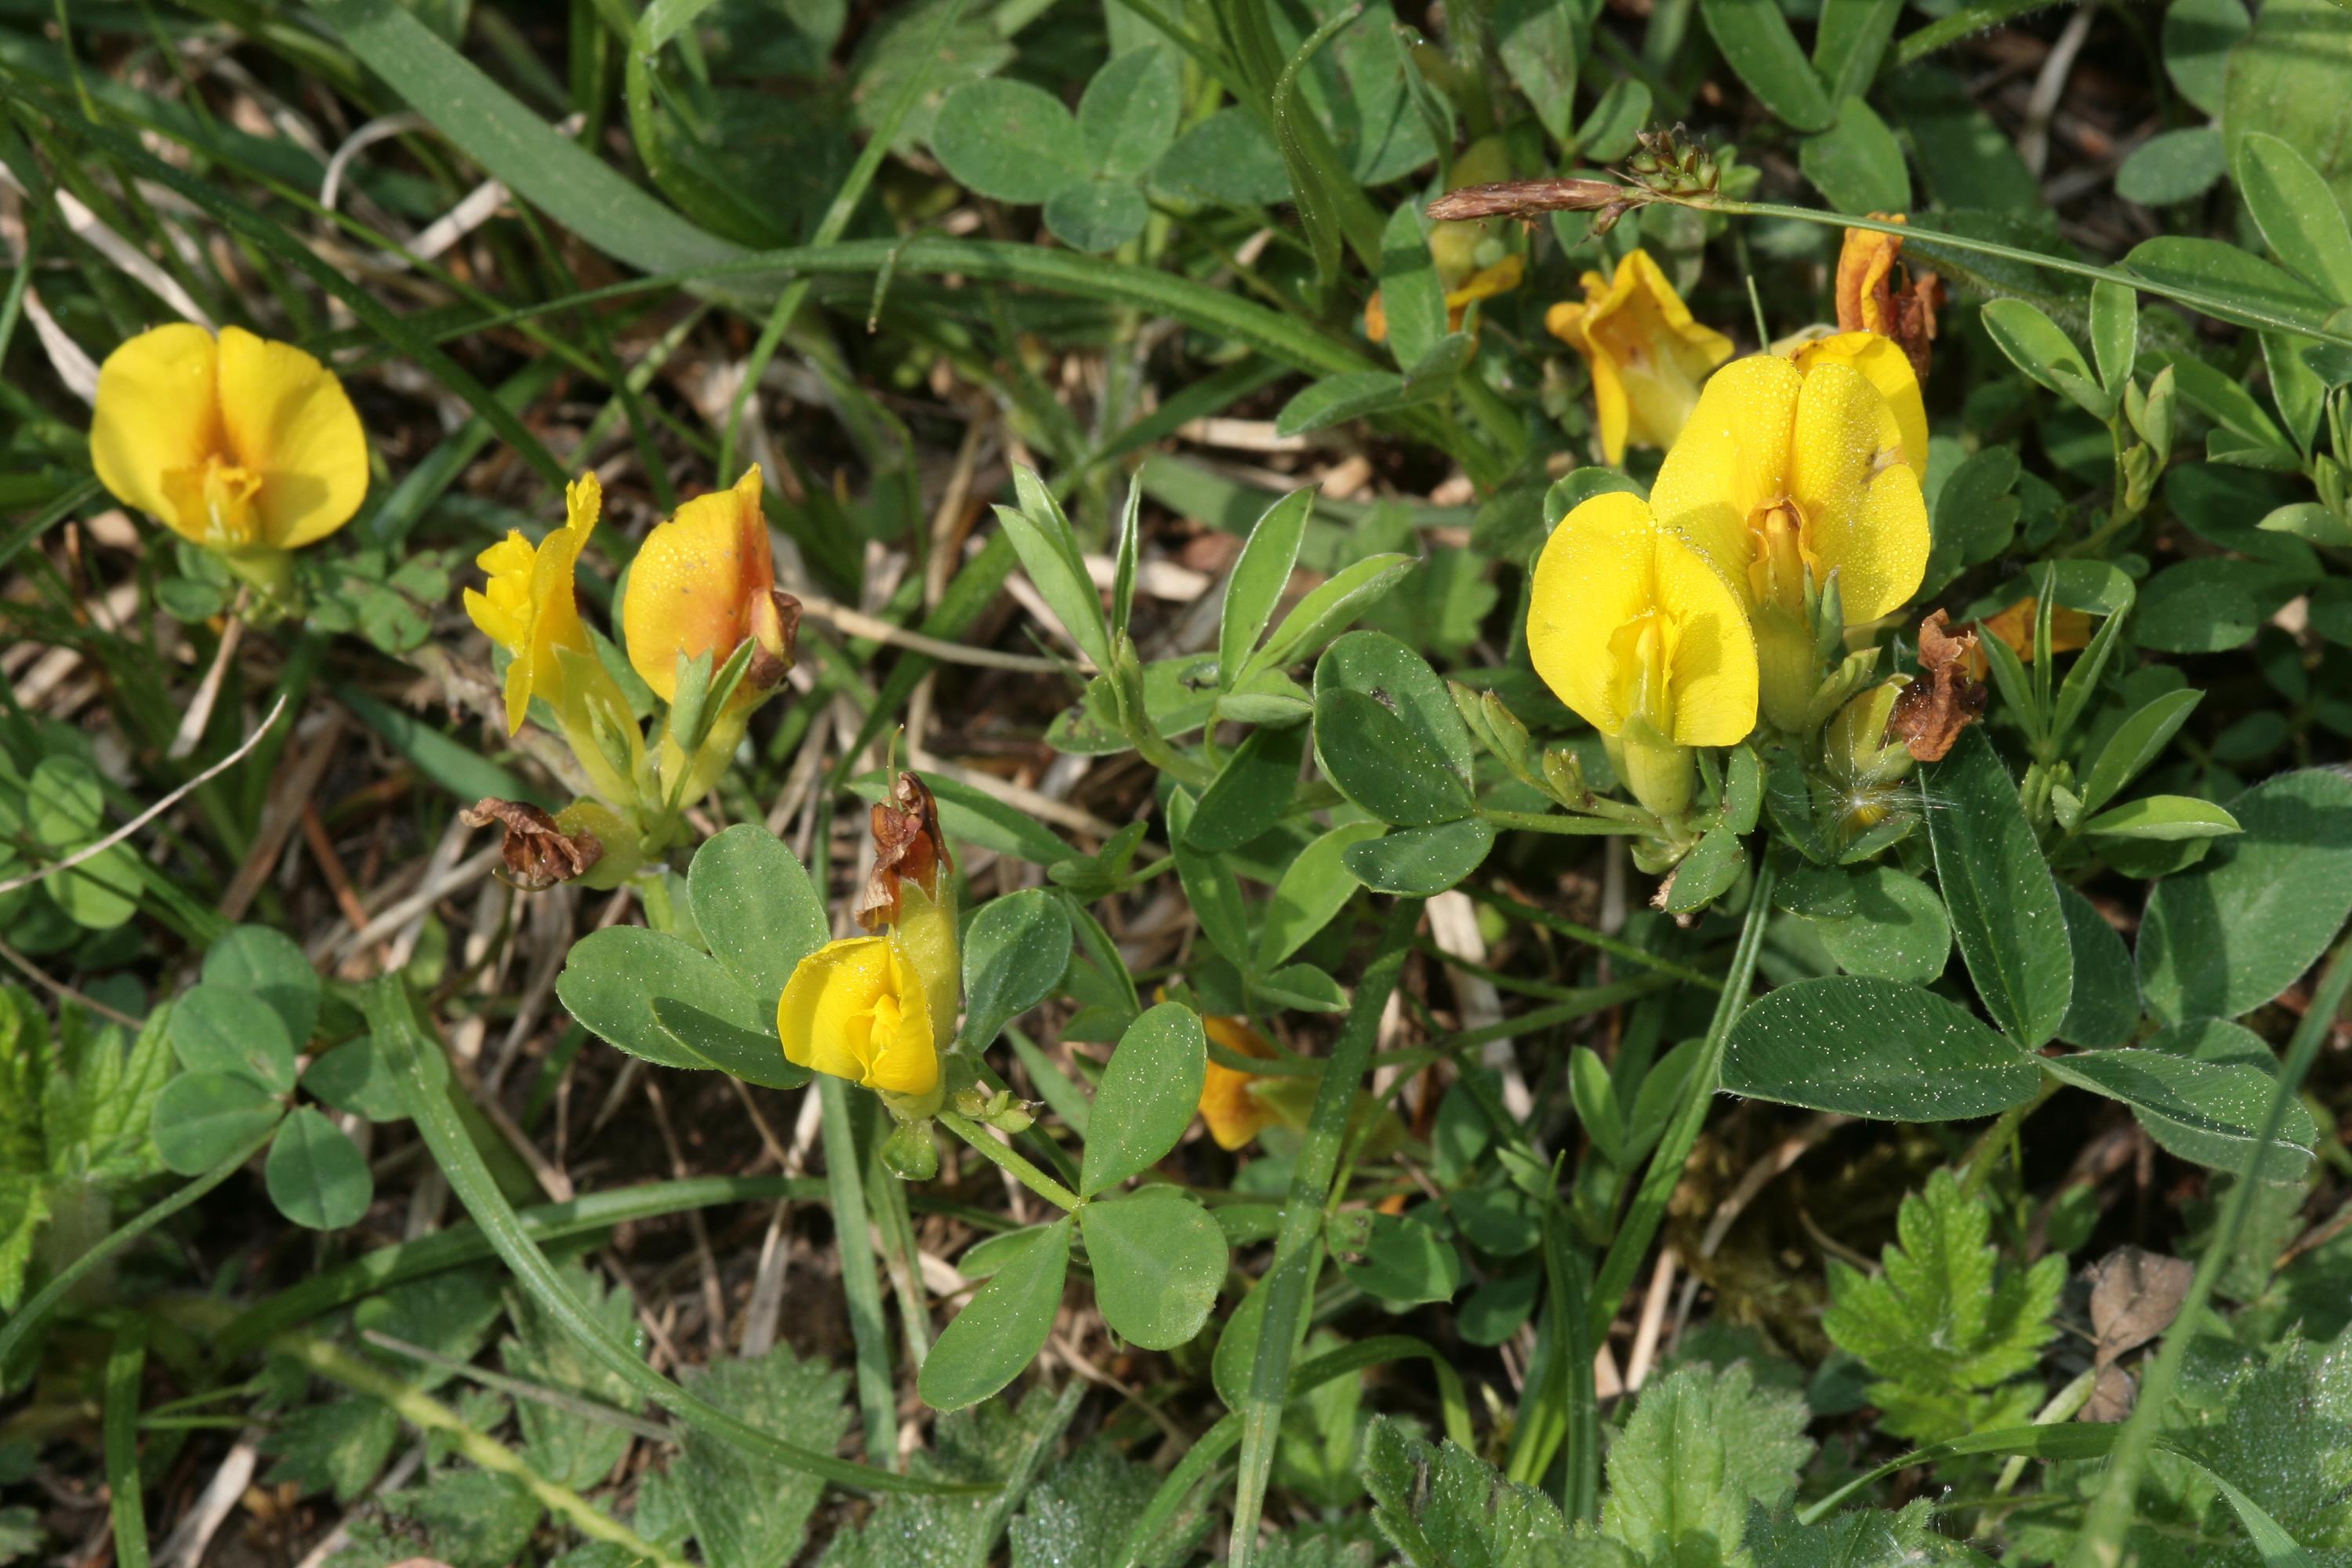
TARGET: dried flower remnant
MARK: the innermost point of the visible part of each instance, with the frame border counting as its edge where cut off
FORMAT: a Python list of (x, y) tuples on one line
[(538, 852), (907, 844), (1877, 293), (1933, 710)]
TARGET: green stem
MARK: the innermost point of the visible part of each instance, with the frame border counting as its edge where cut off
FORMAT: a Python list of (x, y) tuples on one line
[(1298, 1243), (126, 1364), (31, 1312), (1551, 822), (1616, 947), (414, 1059), (861, 1286), (1951, 29), (1028, 1174), (1665, 1170), (2101, 1543), (427, 1414), (829, 227), (2220, 307), (1986, 1154)]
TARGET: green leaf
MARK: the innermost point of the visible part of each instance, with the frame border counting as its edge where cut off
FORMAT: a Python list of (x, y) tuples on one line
[(354, 1077), (1381, 763), (2135, 743), (317, 1178), (1327, 609), (1413, 297), (1227, 160), (2281, 79), (1014, 950), (1127, 115), (2114, 333), (749, 1512), (1608, 132), (613, 979), (1315, 885), (269, 964), (2298, 215), (2198, 38), (515, 145), (1394, 1256), (2037, 345), (1210, 885), (1049, 553), (1096, 215), (1943, 1328), (1251, 793), (1702, 1446), (338, 1447), (2173, 166), (1342, 399), (2215, 269), (2104, 1008), (1009, 141), (1706, 873), (214, 1029), (1444, 1507), (2205, 1112), (2237, 929), (568, 1448), (465, 1517), (1157, 1259), (2162, 816), (24, 1208), (1850, 42), (1542, 46), (1080, 1512), (1857, 163), (1897, 932), (1873, 1048), (1998, 892), (1756, 43), (1260, 575), (1421, 862), (753, 904), (1002, 1331), (1149, 1092)]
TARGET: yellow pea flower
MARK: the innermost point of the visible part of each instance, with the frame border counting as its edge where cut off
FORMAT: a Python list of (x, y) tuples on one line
[(1637, 632), (1783, 476), (529, 607), (1229, 1105), (1647, 352), (1885, 366), (878, 1010), (704, 582), (241, 444)]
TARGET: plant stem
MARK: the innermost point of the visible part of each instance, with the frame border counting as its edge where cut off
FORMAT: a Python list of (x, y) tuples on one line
[(1951, 29), (1550, 822), (2101, 1543), (1986, 1154), (126, 1364), (31, 1312), (427, 1414), (1665, 1169), (1028, 1174)]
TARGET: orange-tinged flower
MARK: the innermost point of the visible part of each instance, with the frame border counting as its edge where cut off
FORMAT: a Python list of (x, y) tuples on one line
[(1229, 1105), (528, 607), (1648, 355), (2069, 629), (235, 444), (1483, 284), (1877, 293), (704, 582)]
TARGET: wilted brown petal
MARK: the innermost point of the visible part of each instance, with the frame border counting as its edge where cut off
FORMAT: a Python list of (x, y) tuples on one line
[(538, 853), (908, 842), (1524, 198), (2135, 1296), (2112, 1397), (1933, 710), (767, 670)]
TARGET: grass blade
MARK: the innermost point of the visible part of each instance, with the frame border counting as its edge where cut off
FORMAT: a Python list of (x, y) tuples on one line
[(125, 1364), (1302, 1225)]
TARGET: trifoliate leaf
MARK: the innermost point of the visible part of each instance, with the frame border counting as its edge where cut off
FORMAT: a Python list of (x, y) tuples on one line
[(1944, 1328)]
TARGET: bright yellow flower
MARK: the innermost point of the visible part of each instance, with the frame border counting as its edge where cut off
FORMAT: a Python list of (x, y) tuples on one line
[(1885, 365), (1648, 355), (1229, 1104), (529, 607), (703, 582), (856, 1009), (1640, 636), (237, 444), (1781, 476)]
